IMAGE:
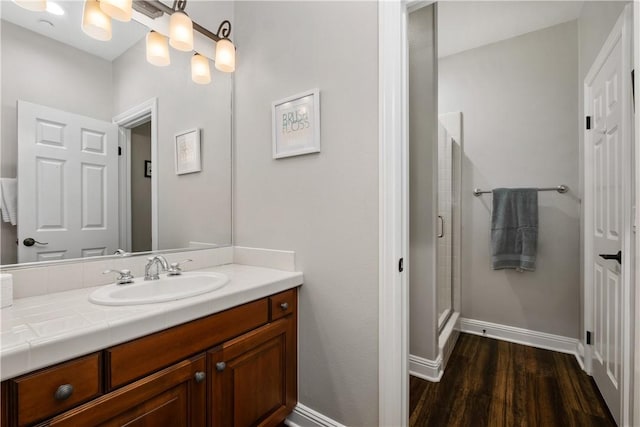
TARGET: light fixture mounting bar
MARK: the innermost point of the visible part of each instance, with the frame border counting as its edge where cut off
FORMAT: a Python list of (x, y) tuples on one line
[(147, 9), (224, 30)]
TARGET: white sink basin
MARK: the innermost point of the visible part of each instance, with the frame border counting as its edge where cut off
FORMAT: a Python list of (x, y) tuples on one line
[(169, 288)]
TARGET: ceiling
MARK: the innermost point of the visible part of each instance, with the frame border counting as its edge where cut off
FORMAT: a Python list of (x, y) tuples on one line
[(67, 28), (464, 25)]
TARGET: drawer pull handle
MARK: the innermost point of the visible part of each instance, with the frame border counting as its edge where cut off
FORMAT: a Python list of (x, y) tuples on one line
[(284, 306), (64, 392), (220, 366), (200, 376)]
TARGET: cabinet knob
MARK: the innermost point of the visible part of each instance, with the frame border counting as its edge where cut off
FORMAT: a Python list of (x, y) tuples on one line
[(284, 306), (64, 392), (220, 366), (200, 376)]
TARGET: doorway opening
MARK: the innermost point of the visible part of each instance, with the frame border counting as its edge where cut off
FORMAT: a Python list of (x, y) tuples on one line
[(141, 172), (138, 184), (501, 85)]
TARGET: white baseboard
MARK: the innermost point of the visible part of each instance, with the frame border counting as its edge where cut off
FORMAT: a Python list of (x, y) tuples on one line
[(523, 336), (580, 355), (448, 338), (430, 370), (303, 416)]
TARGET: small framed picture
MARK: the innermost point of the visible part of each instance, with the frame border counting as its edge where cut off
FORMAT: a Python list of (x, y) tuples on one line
[(188, 152), (147, 168), (296, 124)]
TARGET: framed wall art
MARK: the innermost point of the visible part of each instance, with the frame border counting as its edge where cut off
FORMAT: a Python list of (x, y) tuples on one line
[(296, 125), (188, 152)]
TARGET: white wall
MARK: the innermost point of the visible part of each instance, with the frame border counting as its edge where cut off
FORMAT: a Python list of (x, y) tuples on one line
[(323, 206), (192, 207), (519, 99), (30, 63), (423, 128)]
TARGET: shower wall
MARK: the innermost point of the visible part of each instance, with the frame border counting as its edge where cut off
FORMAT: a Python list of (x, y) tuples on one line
[(423, 140)]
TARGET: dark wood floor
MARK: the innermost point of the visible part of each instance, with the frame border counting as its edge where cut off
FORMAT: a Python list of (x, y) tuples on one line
[(495, 383)]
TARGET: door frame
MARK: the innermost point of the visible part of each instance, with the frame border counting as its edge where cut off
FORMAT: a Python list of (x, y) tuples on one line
[(393, 325), (135, 116), (621, 31)]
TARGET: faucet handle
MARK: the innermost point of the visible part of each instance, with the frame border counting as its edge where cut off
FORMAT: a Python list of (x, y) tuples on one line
[(124, 276), (175, 268)]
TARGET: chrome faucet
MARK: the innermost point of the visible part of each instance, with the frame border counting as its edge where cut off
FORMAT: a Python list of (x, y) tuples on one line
[(158, 262)]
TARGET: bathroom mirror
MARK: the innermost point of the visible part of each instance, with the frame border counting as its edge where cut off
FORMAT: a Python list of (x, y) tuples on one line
[(60, 90)]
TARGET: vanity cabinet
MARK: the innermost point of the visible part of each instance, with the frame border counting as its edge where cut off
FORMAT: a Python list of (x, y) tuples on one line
[(233, 368)]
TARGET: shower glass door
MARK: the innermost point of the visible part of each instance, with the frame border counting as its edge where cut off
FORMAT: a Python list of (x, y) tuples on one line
[(447, 228)]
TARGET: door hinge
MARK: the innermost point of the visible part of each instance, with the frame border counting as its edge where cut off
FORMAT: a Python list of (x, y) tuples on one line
[(588, 337), (588, 122), (401, 265), (119, 150)]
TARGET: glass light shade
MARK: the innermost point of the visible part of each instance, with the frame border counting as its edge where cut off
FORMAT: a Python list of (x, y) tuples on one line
[(33, 5), (95, 23), (157, 49), (181, 32), (200, 72), (54, 8), (225, 56), (117, 9)]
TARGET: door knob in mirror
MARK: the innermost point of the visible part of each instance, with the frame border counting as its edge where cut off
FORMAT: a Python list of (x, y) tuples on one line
[(29, 241), (617, 257)]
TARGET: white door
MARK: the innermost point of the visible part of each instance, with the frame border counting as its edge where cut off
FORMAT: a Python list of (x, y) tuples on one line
[(67, 185), (606, 187)]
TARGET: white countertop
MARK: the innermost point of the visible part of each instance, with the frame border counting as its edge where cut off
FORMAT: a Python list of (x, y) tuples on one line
[(43, 330)]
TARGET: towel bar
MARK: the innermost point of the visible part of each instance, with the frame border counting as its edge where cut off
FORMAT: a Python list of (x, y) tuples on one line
[(560, 189)]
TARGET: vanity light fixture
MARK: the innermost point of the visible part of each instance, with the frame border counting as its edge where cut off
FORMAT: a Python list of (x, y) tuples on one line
[(200, 72), (95, 22), (33, 5), (225, 55), (117, 9), (157, 49)]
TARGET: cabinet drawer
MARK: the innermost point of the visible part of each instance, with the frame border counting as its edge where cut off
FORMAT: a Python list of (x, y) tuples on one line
[(56, 389), (282, 304), (135, 359), (172, 397)]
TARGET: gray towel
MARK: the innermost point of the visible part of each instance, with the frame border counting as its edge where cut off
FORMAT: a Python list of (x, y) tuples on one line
[(514, 228)]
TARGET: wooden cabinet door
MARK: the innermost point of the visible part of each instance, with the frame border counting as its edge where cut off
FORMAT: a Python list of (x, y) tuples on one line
[(175, 396), (253, 377)]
